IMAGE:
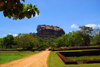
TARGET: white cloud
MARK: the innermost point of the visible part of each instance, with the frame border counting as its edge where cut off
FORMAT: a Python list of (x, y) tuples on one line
[(98, 25), (15, 35), (70, 31), (74, 26), (91, 25), (9, 34)]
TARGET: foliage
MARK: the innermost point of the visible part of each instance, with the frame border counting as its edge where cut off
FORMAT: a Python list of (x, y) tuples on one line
[(30, 45), (86, 33), (86, 30), (45, 41), (1, 42), (97, 39), (17, 10), (26, 41), (75, 38), (31, 40), (95, 36), (59, 42), (9, 41), (70, 39)]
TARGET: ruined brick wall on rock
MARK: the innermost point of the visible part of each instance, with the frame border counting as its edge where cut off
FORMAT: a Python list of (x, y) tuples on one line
[(47, 30)]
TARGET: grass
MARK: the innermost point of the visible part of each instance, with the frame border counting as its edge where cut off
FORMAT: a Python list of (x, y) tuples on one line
[(6, 56), (12, 49), (69, 47), (95, 46), (78, 50), (84, 57), (55, 61)]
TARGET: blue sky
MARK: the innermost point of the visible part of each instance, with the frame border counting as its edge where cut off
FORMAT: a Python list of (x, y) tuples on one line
[(67, 14)]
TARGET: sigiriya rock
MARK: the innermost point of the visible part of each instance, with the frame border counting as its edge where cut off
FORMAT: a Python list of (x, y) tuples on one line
[(47, 30)]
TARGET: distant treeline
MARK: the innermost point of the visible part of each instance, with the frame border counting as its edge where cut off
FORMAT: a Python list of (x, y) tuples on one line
[(83, 37), (27, 41)]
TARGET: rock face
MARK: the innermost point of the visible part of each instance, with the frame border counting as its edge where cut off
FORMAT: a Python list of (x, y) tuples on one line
[(46, 30)]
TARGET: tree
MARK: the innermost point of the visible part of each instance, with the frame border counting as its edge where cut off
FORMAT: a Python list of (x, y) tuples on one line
[(1, 42), (17, 10), (74, 38), (30, 45), (96, 32), (59, 42), (97, 39), (26, 41), (86, 31), (96, 36), (9, 41)]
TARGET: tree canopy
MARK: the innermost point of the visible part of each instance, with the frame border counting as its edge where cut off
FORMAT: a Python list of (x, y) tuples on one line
[(86, 30), (76, 38), (31, 40), (26, 41), (18, 10), (9, 41)]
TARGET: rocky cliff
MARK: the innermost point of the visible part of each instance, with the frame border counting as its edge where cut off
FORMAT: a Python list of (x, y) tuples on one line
[(46, 30)]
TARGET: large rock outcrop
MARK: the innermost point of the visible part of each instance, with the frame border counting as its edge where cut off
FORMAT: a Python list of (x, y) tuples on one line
[(46, 30)]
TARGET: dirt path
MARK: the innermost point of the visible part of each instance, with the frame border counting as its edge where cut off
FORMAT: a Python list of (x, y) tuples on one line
[(37, 60)]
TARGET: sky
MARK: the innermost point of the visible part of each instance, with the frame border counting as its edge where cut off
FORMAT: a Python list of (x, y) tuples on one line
[(67, 14)]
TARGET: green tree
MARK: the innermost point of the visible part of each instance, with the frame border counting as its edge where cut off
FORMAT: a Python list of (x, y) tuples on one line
[(30, 44), (46, 44), (17, 10), (86, 31), (9, 41), (1, 42), (97, 39), (59, 42), (26, 41), (79, 40), (96, 35), (74, 38), (41, 41)]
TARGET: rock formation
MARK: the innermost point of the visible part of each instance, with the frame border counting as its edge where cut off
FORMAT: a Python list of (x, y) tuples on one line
[(46, 30)]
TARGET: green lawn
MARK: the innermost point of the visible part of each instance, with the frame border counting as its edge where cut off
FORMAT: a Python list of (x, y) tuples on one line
[(84, 57), (6, 56), (78, 50), (55, 61), (96, 46)]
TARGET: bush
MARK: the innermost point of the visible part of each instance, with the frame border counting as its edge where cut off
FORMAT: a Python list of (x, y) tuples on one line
[(30, 45)]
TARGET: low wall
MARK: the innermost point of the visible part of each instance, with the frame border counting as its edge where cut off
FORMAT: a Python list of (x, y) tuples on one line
[(81, 53), (83, 61), (77, 48), (65, 60)]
